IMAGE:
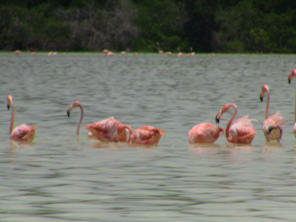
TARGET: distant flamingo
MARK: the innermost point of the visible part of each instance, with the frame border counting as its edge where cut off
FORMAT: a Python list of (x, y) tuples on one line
[(109, 130), (273, 124), (204, 133), (293, 74), (191, 53), (242, 131), (21, 133), (76, 104), (146, 135)]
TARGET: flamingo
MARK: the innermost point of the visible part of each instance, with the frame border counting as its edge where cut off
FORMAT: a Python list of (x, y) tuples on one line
[(293, 74), (76, 104), (21, 133), (108, 130), (273, 124), (146, 135), (204, 133), (242, 131)]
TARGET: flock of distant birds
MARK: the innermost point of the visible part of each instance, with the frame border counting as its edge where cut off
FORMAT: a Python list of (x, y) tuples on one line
[(112, 130), (107, 52)]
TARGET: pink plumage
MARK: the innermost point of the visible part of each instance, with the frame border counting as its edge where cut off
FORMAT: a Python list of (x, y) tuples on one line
[(147, 135), (109, 130), (273, 124), (242, 131), (21, 133), (204, 133)]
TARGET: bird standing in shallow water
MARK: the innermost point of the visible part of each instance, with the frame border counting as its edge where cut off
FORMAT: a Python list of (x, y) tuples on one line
[(108, 130), (293, 74), (242, 131), (21, 133), (273, 124)]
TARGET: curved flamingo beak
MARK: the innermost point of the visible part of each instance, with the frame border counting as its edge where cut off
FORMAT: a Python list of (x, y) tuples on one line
[(68, 113), (290, 78), (217, 119), (261, 98), (8, 106)]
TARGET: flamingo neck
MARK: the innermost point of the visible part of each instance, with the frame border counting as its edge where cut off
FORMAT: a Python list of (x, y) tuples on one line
[(230, 122), (80, 120), (12, 118), (130, 131), (267, 105)]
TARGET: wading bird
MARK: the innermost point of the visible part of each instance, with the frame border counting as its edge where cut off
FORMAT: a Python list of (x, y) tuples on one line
[(273, 124), (21, 133), (293, 74), (108, 130), (242, 131)]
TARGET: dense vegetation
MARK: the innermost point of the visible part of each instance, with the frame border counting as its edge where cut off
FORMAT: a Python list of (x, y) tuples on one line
[(149, 25)]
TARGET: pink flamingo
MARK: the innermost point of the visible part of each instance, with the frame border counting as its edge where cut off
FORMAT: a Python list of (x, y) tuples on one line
[(21, 133), (242, 131), (76, 104), (191, 53), (108, 130), (204, 133), (146, 135), (273, 124), (293, 74)]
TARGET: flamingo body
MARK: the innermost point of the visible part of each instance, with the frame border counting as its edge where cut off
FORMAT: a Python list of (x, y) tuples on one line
[(204, 133), (147, 135), (23, 133), (242, 131)]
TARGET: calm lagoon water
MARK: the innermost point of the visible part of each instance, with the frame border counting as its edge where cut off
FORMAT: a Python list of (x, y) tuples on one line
[(61, 179)]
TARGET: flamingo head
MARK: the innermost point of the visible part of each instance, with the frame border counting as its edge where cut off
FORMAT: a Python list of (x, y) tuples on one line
[(9, 101), (223, 110), (72, 106), (293, 74), (264, 89)]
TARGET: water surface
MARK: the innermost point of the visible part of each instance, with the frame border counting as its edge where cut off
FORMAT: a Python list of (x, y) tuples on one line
[(60, 179)]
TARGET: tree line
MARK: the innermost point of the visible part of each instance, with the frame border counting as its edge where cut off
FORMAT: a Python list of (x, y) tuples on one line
[(267, 26)]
